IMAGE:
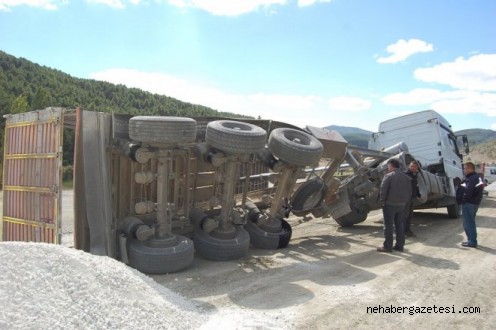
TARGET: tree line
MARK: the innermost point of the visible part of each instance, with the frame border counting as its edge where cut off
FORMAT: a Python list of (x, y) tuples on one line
[(27, 86)]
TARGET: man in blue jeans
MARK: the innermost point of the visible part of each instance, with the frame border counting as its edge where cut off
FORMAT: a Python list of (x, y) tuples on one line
[(395, 194), (472, 188)]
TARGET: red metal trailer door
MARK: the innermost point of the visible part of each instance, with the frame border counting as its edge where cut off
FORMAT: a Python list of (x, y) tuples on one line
[(32, 174)]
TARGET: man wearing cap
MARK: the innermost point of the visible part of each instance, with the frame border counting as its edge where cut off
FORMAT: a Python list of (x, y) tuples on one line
[(395, 194), (470, 200)]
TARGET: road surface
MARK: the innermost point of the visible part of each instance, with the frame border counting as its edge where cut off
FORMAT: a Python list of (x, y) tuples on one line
[(332, 277)]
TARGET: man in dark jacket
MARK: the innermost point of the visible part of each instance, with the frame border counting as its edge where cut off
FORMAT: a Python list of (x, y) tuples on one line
[(470, 200), (412, 173), (395, 193)]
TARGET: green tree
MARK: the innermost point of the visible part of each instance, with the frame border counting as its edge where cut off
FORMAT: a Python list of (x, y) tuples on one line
[(20, 104), (41, 100)]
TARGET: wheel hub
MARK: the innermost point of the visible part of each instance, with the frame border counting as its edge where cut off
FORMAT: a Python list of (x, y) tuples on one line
[(161, 242)]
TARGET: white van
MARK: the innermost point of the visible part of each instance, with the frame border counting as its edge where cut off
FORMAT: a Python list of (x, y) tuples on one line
[(489, 174)]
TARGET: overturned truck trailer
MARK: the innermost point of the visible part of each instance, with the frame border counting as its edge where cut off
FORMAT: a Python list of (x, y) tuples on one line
[(152, 191)]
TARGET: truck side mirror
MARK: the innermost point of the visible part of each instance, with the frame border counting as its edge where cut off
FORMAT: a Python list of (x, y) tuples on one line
[(465, 144)]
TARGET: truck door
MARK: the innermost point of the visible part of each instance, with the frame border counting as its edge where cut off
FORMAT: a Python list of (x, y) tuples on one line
[(32, 174), (451, 157)]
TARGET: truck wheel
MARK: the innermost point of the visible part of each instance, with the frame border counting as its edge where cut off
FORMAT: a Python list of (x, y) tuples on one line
[(308, 196), (156, 129), (222, 248), (269, 240), (352, 218), (295, 147), (235, 137), (454, 211), (161, 255)]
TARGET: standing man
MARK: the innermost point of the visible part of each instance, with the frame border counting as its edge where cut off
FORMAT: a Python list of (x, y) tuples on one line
[(395, 194), (471, 198), (412, 173)]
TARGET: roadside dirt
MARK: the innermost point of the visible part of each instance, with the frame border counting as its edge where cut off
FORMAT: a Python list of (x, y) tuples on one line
[(329, 276)]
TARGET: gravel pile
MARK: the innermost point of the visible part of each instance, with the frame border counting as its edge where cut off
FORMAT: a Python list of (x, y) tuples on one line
[(45, 286)]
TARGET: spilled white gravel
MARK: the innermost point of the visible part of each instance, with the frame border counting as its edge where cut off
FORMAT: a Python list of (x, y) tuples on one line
[(46, 286)]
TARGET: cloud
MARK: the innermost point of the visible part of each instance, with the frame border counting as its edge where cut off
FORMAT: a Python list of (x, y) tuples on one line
[(347, 103), (456, 101), (415, 97), (6, 5), (237, 7), (294, 109), (473, 81), (227, 7), (403, 49), (118, 4), (484, 103), (214, 7), (493, 127), (477, 73), (306, 3)]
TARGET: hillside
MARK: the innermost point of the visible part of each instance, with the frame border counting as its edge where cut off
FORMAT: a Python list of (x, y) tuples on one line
[(26, 86), (483, 153), (482, 145), (477, 136), (355, 136)]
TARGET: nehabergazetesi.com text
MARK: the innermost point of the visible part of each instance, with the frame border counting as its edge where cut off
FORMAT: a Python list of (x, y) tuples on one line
[(379, 309)]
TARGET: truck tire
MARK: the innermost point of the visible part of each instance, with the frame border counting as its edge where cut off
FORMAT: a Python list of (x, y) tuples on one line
[(269, 240), (454, 211), (157, 129), (352, 218), (234, 137), (161, 256), (308, 196), (222, 249), (295, 147)]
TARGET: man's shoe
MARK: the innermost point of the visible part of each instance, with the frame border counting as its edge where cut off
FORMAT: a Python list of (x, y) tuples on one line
[(410, 233), (467, 244), (397, 248), (383, 249)]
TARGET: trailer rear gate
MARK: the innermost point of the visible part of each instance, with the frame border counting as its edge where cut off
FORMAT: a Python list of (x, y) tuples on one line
[(32, 176)]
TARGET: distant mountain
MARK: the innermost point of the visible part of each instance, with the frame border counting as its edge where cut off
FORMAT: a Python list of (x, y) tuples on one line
[(355, 136), (477, 136)]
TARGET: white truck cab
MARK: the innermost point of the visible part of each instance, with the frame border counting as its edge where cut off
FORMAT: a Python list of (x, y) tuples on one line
[(429, 138)]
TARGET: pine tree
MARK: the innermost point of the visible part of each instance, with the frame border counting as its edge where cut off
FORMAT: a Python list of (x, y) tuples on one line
[(20, 104)]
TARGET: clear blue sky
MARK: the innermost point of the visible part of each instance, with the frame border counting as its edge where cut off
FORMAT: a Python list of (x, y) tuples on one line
[(307, 62)]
